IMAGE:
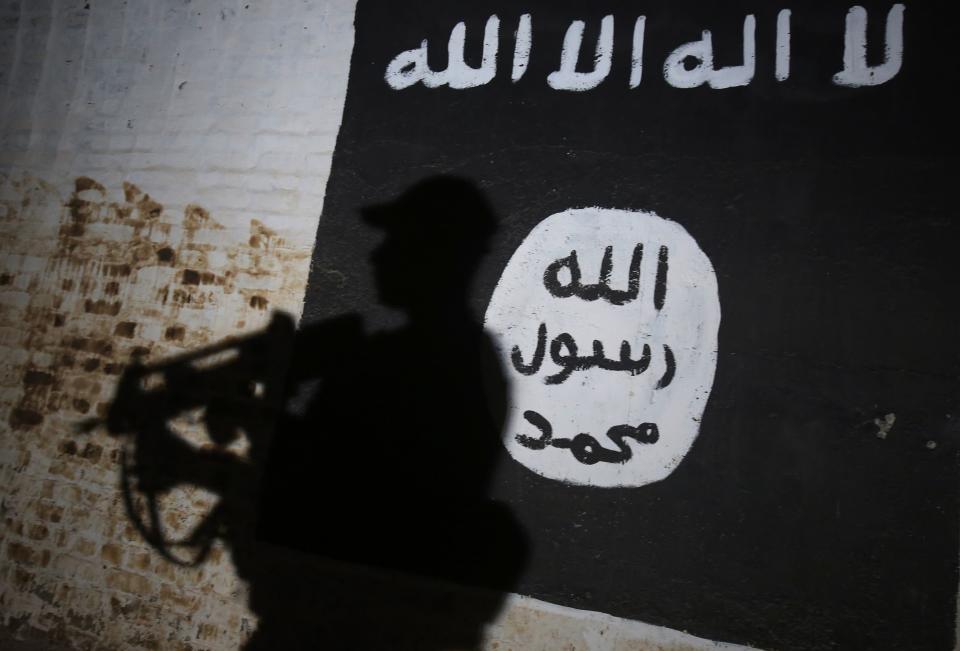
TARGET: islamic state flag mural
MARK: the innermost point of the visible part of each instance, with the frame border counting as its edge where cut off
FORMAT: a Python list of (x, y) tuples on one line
[(706, 253)]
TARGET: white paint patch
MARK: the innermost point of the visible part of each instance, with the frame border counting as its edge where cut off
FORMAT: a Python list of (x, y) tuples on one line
[(677, 75), (606, 321), (782, 67), (884, 425), (567, 77), (521, 48), (410, 66), (855, 71), (584, 629), (636, 61)]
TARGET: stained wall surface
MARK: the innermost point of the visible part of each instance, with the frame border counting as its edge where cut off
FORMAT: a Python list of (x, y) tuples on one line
[(163, 170)]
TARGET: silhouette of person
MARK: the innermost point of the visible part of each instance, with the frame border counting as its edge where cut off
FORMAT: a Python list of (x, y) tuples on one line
[(382, 451)]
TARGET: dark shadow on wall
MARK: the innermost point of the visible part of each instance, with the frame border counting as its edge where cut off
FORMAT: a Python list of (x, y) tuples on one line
[(361, 509)]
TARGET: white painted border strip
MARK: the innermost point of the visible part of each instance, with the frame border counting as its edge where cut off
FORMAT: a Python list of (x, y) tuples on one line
[(585, 629)]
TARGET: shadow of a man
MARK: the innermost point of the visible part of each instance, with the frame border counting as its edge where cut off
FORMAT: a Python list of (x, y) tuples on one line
[(387, 461), (381, 455)]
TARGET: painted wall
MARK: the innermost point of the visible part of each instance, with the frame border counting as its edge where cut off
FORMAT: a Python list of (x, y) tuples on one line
[(163, 167), (717, 226)]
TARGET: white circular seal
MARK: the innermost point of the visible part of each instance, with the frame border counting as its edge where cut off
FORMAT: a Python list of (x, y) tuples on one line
[(606, 321)]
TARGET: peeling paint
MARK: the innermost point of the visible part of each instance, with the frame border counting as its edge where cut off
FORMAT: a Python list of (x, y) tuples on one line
[(90, 281), (884, 425)]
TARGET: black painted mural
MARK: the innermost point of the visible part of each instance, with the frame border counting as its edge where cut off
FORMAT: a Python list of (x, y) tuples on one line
[(809, 155)]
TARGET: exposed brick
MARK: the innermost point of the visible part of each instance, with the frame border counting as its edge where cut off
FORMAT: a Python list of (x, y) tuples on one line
[(61, 539), (181, 598), (165, 570), (112, 553), (64, 591), (44, 592), (207, 632), (22, 418), (109, 308), (145, 641), (129, 582), (140, 561), (37, 532), (20, 553), (88, 622), (34, 377), (48, 511), (84, 546), (22, 579), (125, 329), (63, 469), (92, 452), (76, 568), (174, 333), (23, 460), (47, 488), (121, 607), (68, 446)]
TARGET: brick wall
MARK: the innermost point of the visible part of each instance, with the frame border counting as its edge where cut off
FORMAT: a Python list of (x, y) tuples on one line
[(162, 168)]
